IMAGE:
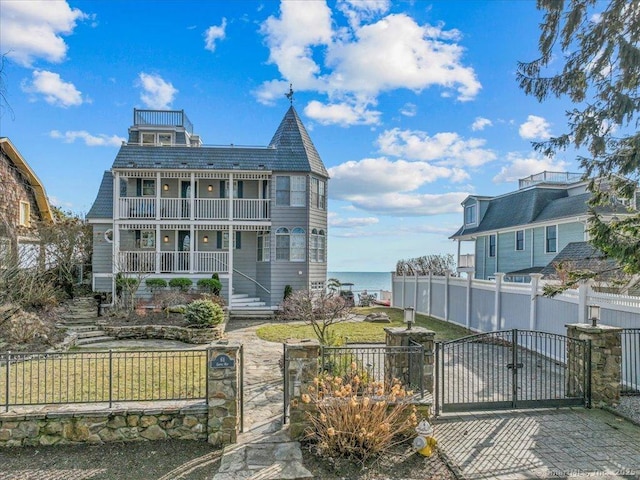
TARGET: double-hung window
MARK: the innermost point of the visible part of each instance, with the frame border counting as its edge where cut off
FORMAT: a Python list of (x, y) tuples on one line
[(318, 193), (551, 239), (148, 188), (318, 246), (519, 240), (264, 247), (492, 245), (291, 190), (470, 215)]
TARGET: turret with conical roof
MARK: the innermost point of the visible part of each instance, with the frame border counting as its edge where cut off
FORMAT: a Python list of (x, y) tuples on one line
[(294, 146)]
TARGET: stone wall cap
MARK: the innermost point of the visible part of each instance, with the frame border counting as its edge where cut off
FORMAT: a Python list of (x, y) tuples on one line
[(587, 327), (302, 342), (404, 331)]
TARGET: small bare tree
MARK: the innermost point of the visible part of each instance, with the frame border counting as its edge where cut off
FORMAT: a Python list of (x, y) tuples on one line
[(319, 309)]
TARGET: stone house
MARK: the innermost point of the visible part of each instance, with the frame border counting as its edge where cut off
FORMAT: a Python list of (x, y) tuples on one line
[(23, 204)]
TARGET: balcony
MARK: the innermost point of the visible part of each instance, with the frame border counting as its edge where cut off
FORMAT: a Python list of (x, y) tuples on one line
[(173, 262), (162, 118), (467, 261), (203, 209)]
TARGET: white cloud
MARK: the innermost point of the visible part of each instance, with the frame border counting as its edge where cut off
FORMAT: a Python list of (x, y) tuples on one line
[(374, 176), (214, 33), (480, 123), (409, 205), (445, 148), (100, 140), (535, 128), (521, 167), (33, 30), (157, 93), (409, 110), (54, 90), (354, 222), (341, 114), (353, 65)]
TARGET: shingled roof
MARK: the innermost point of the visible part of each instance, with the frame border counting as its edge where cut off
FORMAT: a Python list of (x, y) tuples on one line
[(583, 256), (102, 207)]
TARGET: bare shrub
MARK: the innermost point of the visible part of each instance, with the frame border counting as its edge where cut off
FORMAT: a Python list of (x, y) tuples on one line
[(24, 328), (358, 422)]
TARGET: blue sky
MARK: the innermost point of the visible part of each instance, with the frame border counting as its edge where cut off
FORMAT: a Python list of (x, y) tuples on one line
[(411, 105)]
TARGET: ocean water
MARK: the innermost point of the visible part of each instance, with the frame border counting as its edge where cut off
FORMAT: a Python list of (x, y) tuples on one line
[(372, 282)]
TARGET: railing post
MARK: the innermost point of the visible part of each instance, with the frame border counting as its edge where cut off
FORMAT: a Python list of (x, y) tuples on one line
[(110, 378), (7, 381)]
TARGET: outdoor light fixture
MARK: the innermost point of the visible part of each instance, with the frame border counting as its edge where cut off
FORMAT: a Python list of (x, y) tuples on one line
[(166, 239), (205, 239), (165, 187), (210, 188), (409, 316), (594, 314)]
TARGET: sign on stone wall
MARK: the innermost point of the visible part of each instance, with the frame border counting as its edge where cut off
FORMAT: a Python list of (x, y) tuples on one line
[(222, 361)]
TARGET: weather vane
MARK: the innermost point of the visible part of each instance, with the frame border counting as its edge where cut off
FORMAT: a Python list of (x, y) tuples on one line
[(290, 94)]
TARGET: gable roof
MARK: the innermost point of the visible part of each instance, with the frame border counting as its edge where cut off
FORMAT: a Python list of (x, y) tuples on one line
[(103, 205), (38, 189)]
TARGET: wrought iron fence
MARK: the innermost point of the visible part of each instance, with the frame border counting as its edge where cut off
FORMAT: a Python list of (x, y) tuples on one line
[(102, 377), (630, 340), (377, 364)]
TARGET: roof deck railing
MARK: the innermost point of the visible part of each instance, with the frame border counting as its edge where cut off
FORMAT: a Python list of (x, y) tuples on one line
[(162, 118), (550, 177)]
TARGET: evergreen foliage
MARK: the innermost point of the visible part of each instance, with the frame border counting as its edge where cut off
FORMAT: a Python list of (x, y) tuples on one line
[(182, 284), (210, 285), (596, 44), (204, 313)]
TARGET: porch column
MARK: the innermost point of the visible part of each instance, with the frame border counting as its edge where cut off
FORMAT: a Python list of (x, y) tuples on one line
[(192, 242), (192, 197), (158, 247), (116, 196), (158, 194), (231, 242)]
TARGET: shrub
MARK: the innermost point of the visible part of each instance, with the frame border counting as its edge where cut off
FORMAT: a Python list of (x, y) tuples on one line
[(288, 290), (204, 313), (210, 285), (182, 284), (155, 284), (358, 422)]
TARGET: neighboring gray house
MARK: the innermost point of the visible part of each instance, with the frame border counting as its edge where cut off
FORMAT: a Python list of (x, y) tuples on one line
[(522, 232), (171, 207)]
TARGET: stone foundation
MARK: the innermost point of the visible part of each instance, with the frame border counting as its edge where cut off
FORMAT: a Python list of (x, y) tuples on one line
[(101, 426), (165, 332)]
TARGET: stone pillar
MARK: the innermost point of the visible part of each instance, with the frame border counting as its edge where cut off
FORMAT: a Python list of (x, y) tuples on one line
[(223, 392), (606, 360), (396, 366), (301, 368)]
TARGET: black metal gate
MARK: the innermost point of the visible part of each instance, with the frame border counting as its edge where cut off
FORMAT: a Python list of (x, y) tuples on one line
[(512, 369), (630, 343)]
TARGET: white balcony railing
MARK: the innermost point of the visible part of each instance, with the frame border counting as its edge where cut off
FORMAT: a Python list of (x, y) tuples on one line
[(212, 208), (467, 261), (137, 207), (205, 208), (173, 262), (250, 209)]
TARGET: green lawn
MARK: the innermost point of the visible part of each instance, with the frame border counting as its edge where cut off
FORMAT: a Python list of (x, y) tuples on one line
[(363, 332)]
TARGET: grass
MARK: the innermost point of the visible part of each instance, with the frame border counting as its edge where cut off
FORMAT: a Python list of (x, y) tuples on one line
[(364, 332), (95, 377)]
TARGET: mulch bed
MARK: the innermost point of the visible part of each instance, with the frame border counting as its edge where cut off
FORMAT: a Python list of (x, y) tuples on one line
[(401, 463)]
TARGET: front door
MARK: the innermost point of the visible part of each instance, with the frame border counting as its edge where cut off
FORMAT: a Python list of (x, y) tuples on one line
[(184, 243)]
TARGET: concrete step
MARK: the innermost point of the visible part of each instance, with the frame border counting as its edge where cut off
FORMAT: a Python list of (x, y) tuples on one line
[(85, 341)]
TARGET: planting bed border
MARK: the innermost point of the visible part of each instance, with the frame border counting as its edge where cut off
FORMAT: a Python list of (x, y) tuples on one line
[(165, 332)]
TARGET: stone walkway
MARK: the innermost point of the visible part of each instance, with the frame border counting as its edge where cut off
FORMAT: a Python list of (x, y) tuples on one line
[(573, 443), (264, 450)]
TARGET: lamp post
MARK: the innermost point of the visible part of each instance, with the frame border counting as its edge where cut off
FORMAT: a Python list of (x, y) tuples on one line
[(409, 316), (594, 314)]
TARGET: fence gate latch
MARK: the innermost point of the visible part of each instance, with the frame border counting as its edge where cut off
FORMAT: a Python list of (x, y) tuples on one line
[(517, 366)]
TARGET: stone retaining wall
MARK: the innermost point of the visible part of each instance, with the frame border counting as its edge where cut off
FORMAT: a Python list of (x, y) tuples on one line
[(165, 332), (100, 426)]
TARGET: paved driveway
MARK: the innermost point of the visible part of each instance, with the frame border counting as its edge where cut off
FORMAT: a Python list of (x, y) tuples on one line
[(574, 443)]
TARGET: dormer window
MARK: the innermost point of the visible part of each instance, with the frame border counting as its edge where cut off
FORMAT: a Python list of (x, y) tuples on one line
[(470, 213), (164, 139), (148, 139)]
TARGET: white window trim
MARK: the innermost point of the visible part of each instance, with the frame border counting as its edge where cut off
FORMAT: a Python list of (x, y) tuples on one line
[(545, 238), (475, 216), (106, 235), (24, 215), (524, 240)]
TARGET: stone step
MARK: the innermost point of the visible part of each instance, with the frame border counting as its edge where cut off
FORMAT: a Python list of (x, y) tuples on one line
[(91, 334), (78, 321), (81, 328), (67, 316), (85, 341)]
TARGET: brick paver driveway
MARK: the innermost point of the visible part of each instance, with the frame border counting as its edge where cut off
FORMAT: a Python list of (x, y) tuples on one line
[(574, 443)]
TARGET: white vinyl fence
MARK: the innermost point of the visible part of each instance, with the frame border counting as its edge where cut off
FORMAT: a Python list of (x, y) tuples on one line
[(487, 306)]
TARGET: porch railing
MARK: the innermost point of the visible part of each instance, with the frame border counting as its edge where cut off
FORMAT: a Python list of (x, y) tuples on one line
[(167, 262), (203, 209)]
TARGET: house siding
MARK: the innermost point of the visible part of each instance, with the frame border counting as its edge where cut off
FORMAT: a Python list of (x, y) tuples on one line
[(102, 251)]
